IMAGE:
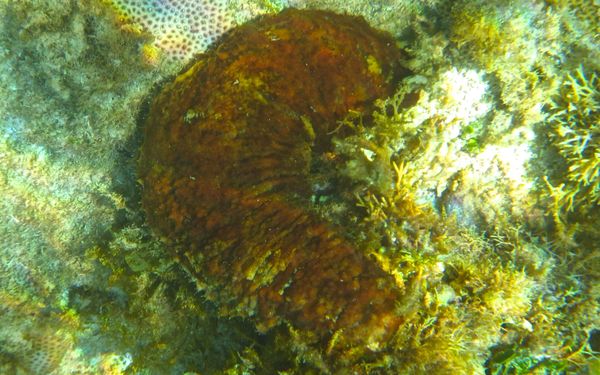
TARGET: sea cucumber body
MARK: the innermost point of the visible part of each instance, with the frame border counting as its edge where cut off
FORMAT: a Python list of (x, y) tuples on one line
[(225, 164)]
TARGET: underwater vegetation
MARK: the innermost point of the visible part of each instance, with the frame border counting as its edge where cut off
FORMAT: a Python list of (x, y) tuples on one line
[(225, 163), (468, 188), (575, 122)]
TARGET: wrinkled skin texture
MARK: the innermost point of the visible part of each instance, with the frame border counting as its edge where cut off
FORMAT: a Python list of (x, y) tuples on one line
[(225, 165)]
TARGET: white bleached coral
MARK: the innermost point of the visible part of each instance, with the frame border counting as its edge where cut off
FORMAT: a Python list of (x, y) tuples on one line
[(464, 95)]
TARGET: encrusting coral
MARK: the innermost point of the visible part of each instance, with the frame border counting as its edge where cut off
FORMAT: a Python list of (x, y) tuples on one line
[(225, 164)]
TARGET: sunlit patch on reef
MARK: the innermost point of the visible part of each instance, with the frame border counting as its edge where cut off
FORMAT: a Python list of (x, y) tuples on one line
[(225, 165)]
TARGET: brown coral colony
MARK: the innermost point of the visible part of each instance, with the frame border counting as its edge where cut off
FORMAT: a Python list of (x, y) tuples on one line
[(225, 163)]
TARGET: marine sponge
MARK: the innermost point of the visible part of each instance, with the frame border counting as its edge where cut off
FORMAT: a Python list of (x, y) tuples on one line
[(225, 165), (181, 28)]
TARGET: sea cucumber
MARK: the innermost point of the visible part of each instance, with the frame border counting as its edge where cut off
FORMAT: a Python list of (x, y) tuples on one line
[(225, 163)]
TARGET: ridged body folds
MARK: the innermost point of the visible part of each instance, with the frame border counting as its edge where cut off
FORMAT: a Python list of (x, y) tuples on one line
[(225, 165)]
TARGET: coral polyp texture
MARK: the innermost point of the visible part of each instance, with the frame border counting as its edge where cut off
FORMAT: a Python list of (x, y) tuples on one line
[(225, 165), (181, 28)]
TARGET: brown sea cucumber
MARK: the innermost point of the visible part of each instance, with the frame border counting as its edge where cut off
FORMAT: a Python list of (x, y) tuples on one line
[(225, 165)]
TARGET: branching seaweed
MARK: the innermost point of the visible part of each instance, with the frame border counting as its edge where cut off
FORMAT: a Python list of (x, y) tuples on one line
[(575, 130)]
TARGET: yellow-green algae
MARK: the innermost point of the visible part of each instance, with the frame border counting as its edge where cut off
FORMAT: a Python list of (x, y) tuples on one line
[(480, 211)]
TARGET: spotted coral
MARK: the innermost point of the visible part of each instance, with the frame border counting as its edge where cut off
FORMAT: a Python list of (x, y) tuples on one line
[(181, 28), (38, 345)]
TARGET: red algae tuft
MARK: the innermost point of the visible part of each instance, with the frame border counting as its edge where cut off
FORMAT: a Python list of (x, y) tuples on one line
[(225, 165)]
